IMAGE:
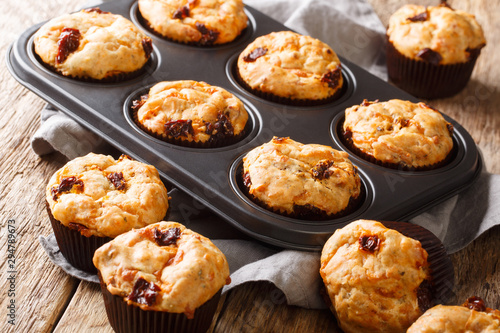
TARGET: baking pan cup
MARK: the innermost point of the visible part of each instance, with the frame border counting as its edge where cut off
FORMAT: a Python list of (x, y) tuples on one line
[(210, 175), (125, 318), (425, 80), (397, 166), (76, 248)]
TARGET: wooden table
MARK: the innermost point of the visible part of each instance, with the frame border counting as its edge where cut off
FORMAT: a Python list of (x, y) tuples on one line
[(47, 299)]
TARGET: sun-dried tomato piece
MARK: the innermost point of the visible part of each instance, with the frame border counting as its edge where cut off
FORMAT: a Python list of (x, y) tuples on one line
[(348, 135), (136, 104), (147, 46), (369, 243), (208, 36), (176, 128), (475, 303), (95, 10), (255, 54), (181, 13), (368, 103), (332, 78), (221, 129), (430, 56), (144, 292), (116, 178), (322, 170), (246, 179), (278, 139), (444, 3), (66, 185), (419, 17), (424, 295), (167, 237), (68, 42), (450, 128)]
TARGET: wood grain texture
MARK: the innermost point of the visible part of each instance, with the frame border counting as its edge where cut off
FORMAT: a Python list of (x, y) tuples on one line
[(49, 300)]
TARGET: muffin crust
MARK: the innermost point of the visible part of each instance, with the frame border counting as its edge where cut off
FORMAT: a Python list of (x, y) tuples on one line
[(100, 196)]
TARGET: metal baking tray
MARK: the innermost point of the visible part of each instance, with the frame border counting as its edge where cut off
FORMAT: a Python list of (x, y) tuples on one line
[(212, 175)]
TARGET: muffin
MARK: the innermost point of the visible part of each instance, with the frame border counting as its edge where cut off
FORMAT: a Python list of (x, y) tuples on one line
[(370, 271), (472, 317), (162, 277), (198, 22), (431, 51), (398, 134), (290, 68), (94, 198), (191, 113), (302, 181), (93, 45)]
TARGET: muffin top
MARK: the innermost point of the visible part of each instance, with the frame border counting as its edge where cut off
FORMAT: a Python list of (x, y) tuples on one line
[(92, 44), (439, 35), (472, 317), (100, 196), (399, 132), (203, 22), (370, 270), (163, 267), (288, 176), (289, 65), (191, 111)]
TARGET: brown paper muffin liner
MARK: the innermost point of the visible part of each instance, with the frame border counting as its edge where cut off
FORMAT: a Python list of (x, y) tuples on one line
[(285, 100), (396, 166), (307, 212), (425, 80), (126, 318), (76, 248), (216, 143), (440, 288)]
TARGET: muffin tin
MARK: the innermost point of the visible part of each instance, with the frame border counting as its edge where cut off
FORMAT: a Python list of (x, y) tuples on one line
[(213, 175)]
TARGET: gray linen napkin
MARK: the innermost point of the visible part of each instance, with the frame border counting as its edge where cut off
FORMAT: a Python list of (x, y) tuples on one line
[(354, 31)]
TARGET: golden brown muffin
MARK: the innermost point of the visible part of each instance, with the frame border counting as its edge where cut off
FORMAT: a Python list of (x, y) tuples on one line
[(435, 34), (100, 196), (301, 180), (291, 66), (431, 51), (374, 277), (92, 44), (163, 268), (192, 112), (202, 22), (472, 317), (398, 133)]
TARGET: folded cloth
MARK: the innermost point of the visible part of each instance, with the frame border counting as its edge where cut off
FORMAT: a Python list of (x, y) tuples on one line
[(354, 31)]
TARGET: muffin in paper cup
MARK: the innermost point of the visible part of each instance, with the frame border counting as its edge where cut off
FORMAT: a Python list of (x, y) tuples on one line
[(200, 23), (472, 316), (398, 134), (93, 46), (191, 113), (309, 182), (161, 278), (288, 68), (94, 198), (393, 271), (431, 51)]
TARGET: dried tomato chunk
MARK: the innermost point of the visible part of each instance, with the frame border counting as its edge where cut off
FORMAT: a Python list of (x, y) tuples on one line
[(139, 102), (368, 103), (424, 295), (66, 185), (168, 237), (475, 303), (95, 10), (369, 243), (430, 56), (277, 139), (322, 170), (68, 42), (419, 17), (144, 292), (221, 128), (332, 78), (181, 13), (176, 128), (116, 178), (208, 36), (246, 179), (147, 46), (255, 54)]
